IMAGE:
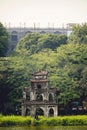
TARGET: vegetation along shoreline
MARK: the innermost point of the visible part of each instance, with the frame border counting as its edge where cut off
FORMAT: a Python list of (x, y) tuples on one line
[(12, 120)]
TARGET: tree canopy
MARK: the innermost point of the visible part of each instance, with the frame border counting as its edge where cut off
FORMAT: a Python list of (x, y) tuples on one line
[(79, 34), (3, 40), (35, 42)]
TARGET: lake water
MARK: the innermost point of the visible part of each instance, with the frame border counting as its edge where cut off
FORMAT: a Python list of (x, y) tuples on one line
[(46, 128)]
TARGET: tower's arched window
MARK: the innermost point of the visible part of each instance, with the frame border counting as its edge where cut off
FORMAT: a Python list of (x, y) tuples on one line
[(50, 97), (39, 97), (39, 86), (27, 96)]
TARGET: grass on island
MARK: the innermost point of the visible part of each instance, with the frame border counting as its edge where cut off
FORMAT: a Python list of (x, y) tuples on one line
[(51, 121), (15, 120)]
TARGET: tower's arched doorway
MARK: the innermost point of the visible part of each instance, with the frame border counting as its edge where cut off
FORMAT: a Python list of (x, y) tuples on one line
[(51, 112), (39, 112), (27, 112)]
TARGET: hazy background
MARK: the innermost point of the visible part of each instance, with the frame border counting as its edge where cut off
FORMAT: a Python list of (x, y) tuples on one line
[(42, 12)]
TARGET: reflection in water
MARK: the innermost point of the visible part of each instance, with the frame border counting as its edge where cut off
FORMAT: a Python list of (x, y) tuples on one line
[(46, 128)]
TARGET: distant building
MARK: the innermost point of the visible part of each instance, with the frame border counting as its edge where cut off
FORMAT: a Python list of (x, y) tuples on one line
[(39, 98), (15, 34)]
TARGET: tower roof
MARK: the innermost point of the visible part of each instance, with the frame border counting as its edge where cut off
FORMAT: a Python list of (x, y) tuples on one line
[(39, 73)]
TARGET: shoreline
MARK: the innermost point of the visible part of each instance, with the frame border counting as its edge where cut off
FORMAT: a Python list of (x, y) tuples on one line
[(76, 120)]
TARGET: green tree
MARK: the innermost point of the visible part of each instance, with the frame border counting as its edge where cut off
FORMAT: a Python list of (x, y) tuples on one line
[(72, 63), (51, 41), (5, 85), (35, 42), (3, 40), (79, 34)]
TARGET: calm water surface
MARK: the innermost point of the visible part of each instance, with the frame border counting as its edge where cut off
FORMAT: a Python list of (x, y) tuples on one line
[(46, 128)]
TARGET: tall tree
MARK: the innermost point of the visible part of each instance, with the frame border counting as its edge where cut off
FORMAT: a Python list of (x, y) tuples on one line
[(3, 40), (79, 34)]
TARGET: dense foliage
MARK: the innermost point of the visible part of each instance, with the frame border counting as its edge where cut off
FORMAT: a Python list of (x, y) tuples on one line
[(35, 42), (3, 40), (79, 34), (66, 64), (15, 121), (43, 121)]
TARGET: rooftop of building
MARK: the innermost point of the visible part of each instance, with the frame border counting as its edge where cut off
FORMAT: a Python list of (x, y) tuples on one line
[(40, 73)]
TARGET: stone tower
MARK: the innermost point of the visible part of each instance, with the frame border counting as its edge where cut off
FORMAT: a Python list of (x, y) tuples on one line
[(39, 98)]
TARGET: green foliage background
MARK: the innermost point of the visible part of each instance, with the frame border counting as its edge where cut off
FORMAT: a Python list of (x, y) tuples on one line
[(64, 58), (3, 40)]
